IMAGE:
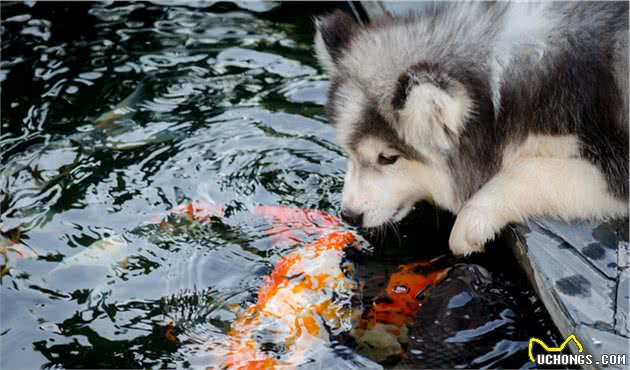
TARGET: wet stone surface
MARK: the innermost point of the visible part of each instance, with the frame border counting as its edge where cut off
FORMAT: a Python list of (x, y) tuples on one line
[(622, 321), (581, 271), (574, 285)]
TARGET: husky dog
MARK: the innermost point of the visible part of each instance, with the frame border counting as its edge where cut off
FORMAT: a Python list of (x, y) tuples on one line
[(496, 112)]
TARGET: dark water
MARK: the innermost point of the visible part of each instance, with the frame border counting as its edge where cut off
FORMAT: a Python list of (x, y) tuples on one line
[(211, 102)]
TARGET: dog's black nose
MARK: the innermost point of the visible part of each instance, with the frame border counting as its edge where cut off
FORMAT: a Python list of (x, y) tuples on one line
[(354, 219)]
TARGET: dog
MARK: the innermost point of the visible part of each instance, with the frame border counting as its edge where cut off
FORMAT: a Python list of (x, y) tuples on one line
[(497, 112)]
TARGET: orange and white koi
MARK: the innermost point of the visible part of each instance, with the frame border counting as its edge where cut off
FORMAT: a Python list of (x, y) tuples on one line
[(306, 297)]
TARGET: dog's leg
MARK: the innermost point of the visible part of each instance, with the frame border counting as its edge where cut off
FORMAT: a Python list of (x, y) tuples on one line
[(568, 188)]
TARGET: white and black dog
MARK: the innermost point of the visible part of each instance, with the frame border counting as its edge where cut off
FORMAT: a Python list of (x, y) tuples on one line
[(494, 111)]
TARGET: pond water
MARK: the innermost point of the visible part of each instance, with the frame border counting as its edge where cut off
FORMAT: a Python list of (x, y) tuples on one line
[(114, 113)]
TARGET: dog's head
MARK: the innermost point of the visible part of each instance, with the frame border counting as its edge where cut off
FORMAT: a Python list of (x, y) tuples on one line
[(397, 117)]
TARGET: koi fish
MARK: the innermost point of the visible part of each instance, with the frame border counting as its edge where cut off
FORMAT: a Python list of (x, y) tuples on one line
[(308, 295), (288, 225), (124, 108), (306, 298), (382, 333)]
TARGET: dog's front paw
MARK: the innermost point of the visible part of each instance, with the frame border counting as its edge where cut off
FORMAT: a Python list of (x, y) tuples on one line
[(473, 227)]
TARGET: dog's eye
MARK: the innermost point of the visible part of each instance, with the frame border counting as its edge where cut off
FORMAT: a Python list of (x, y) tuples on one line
[(384, 160)]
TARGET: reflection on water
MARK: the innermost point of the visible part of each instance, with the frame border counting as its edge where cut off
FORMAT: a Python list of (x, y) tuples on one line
[(113, 113)]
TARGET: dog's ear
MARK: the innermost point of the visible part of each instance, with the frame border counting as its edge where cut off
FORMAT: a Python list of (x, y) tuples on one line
[(334, 32), (432, 107)]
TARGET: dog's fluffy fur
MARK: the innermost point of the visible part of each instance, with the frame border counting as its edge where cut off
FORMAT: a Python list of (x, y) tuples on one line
[(496, 112)]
